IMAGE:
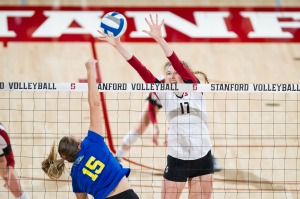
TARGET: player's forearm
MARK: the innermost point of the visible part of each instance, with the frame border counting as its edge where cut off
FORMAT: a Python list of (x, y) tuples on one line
[(123, 51), (176, 63), (165, 46), (3, 167), (93, 94), (147, 76), (181, 69), (152, 113)]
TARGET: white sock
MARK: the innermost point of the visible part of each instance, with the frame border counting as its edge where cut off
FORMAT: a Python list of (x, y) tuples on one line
[(24, 196), (121, 152), (130, 138)]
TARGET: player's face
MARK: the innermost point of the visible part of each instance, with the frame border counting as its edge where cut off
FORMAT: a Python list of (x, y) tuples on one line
[(172, 76)]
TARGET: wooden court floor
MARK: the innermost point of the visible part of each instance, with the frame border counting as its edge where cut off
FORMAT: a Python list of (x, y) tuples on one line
[(255, 136)]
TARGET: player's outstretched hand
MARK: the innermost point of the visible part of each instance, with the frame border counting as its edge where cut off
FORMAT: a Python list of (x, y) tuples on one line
[(155, 27), (112, 41), (90, 64)]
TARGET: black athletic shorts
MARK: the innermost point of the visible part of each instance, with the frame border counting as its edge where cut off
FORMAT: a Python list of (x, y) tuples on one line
[(128, 194), (178, 170)]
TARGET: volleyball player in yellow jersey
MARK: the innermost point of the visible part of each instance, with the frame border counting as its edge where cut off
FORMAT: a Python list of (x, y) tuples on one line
[(189, 146)]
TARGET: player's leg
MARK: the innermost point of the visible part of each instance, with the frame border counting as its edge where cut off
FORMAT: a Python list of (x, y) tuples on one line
[(175, 177), (134, 134), (200, 187), (201, 177), (14, 185), (171, 189)]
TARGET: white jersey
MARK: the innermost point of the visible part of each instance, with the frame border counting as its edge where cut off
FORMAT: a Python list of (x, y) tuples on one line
[(4, 140), (188, 136)]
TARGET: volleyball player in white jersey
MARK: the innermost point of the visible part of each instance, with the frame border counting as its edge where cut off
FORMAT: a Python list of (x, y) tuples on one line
[(7, 164), (148, 115), (189, 146)]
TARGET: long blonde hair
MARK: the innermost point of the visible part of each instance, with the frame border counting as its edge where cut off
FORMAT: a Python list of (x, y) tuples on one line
[(52, 166), (68, 149)]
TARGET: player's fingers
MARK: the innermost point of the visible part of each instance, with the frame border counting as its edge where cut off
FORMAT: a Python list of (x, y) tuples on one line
[(101, 32), (161, 23), (146, 31), (101, 38), (147, 21), (151, 19), (6, 184), (103, 35)]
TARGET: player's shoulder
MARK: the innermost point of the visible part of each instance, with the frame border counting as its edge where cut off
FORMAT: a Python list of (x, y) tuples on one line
[(3, 131), (94, 136)]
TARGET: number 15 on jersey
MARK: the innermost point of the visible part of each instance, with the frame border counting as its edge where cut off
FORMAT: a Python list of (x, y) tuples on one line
[(94, 166)]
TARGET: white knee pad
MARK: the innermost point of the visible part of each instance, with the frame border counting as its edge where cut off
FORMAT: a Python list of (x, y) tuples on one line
[(24, 196), (130, 138)]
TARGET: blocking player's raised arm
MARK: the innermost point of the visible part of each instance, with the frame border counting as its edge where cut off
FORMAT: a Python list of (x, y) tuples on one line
[(116, 43), (93, 97), (147, 76), (156, 33)]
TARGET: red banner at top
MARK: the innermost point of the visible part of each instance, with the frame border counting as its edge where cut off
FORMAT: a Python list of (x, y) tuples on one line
[(186, 24)]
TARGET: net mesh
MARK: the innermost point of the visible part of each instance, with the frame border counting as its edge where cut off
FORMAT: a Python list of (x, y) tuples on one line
[(255, 140)]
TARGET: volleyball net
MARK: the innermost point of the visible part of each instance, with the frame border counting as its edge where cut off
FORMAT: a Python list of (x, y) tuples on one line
[(254, 129)]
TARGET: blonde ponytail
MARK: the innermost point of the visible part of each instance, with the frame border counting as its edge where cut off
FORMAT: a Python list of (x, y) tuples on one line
[(52, 166)]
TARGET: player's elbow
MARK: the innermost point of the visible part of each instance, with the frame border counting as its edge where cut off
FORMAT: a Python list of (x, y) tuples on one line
[(94, 100), (2, 161), (2, 158), (95, 103)]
